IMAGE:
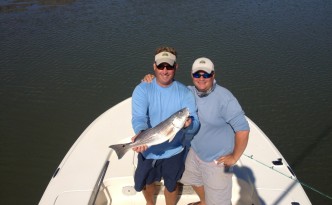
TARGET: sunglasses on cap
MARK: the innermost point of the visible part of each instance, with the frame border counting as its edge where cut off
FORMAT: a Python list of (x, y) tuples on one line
[(167, 66), (205, 75)]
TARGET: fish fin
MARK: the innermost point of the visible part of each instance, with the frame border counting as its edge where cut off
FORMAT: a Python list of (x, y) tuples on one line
[(120, 149)]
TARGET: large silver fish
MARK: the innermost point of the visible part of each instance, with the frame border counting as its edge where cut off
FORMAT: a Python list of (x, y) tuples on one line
[(166, 130)]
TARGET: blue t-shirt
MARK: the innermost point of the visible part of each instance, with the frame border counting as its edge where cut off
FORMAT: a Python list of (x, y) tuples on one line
[(220, 116), (151, 104)]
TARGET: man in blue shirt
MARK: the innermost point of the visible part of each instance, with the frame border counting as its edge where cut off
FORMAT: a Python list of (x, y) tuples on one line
[(151, 104), (220, 141)]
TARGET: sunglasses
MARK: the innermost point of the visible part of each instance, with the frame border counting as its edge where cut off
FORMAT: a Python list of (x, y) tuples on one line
[(205, 75), (168, 67)]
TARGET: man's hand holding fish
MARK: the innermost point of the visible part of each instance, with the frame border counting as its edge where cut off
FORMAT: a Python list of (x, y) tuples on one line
[(144, 147)]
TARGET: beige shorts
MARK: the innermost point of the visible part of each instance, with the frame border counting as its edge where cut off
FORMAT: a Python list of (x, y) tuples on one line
[(216, 179)]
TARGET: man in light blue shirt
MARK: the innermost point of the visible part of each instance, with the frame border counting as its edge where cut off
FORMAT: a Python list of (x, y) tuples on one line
[(151, 104), (220, 141)]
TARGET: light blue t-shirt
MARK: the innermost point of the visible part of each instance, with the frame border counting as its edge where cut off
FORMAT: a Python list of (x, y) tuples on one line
[(220, 117), (151, 104)]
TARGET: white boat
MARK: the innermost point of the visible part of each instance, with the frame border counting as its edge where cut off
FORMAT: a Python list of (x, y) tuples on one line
[(91, 173)]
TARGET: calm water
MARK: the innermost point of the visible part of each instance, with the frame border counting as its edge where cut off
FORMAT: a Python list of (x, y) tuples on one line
[(63, 63)]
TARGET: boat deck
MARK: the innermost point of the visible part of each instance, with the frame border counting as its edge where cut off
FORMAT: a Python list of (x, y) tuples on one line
[(261, 176)]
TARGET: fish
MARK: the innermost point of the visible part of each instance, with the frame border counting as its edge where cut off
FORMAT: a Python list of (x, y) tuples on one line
[(166, 130)]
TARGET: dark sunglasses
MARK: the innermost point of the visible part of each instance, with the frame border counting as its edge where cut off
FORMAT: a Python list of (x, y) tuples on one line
[(205, 75), (168, 67)]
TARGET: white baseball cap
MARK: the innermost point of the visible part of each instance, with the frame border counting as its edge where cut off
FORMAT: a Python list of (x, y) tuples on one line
[(165, 57), (203, 64)]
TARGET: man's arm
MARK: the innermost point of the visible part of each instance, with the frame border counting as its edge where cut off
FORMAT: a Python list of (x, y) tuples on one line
[(241, 141), (139, 110), (236, 118)]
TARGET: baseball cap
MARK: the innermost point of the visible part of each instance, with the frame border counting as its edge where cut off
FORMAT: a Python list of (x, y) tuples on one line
[(165, 57), (203, 64)]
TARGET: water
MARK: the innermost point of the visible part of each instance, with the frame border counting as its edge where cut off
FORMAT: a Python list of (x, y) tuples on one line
[(63, 63)]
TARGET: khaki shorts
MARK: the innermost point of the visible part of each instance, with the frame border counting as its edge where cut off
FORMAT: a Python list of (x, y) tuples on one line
[(216, 179)]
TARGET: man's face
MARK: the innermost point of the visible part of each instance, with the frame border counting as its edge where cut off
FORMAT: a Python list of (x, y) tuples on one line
[(203, 81), (164, 73)]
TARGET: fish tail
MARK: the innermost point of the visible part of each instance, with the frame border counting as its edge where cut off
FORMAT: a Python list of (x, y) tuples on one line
[(120, 149)]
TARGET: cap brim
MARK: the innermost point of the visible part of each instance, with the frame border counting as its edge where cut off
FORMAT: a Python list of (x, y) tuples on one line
[(165, 60), (207, 70)]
